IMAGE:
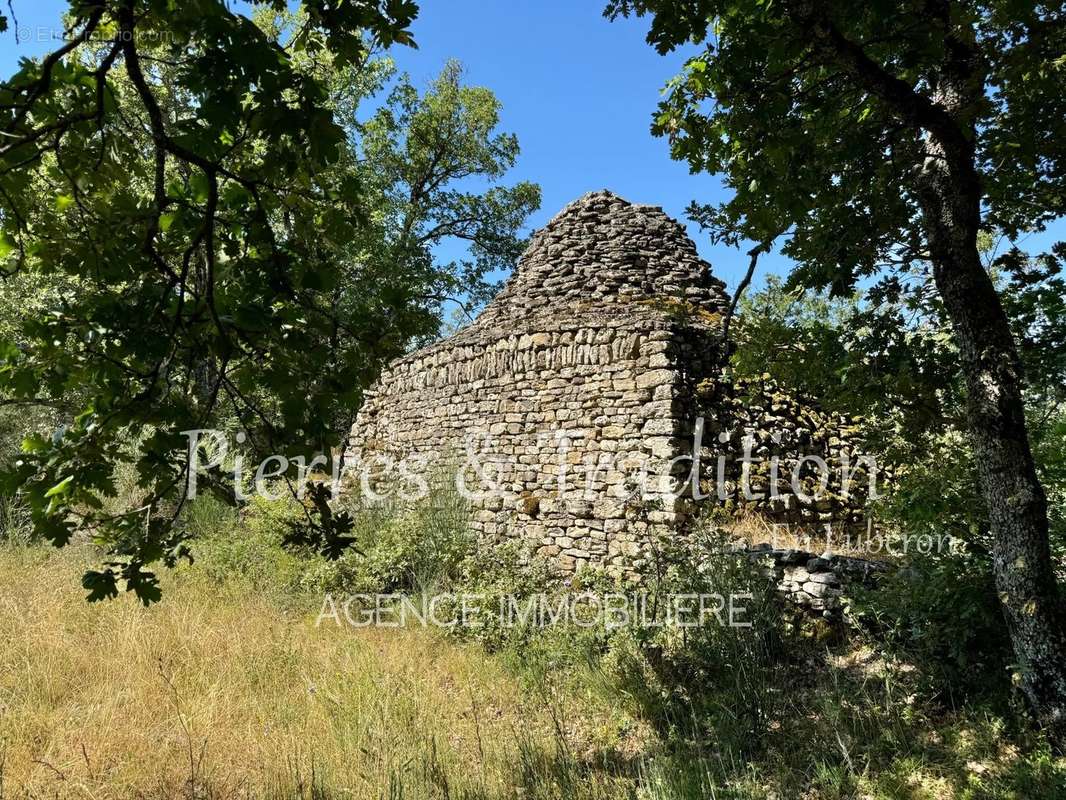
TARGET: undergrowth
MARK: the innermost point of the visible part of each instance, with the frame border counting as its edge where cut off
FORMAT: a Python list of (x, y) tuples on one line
[(229, 688)]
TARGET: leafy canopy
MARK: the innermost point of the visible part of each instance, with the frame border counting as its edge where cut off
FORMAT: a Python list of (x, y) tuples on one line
[(812, 113), (223, 239)]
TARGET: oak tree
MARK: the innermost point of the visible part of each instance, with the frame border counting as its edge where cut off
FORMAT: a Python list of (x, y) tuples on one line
[(222, 238), (872, 136)]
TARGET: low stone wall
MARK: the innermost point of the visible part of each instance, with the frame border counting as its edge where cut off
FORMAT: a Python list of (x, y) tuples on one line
[(814, 583), (786, 442)]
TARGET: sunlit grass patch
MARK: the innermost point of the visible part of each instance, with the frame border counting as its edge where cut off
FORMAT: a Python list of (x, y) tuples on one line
[(227, 689), (220, 690)]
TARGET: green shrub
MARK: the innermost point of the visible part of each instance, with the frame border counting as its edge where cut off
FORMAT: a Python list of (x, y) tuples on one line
[(500, 575), (418, 548), (719, 675), (941, 610), (206, 516), (246, 545), (942, 613), (935, 490), (685, 681)]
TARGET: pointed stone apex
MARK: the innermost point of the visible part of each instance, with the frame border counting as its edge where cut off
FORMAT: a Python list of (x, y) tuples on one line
[(600, 202), (603, 249)]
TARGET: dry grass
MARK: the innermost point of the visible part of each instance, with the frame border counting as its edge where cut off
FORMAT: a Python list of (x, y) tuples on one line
[(218, 693), (854, 542)]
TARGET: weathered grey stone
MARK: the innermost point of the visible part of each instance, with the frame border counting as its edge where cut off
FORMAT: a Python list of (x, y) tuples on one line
[(825, 577), (817, 589), (797, 574)]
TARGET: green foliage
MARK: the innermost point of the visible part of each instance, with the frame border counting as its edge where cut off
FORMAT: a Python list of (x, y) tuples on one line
[(888, 357), (813, 115), (934, 489), (208, 233), (888, 354), (943, 613), (721, 676), (418, 154), (508, 576), (199, 251), (418, 549), (246, 550)]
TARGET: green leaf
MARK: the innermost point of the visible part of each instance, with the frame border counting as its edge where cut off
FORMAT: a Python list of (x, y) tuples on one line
[(7, 245), (60, 487), (200, 187)]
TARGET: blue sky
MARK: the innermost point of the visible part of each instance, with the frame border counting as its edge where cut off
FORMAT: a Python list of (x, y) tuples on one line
[(579, 92)]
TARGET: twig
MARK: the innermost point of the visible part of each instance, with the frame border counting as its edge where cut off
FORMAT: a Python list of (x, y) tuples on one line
[(477, 733), (62, 775), (175, 698), (754, 253), (88, 765)]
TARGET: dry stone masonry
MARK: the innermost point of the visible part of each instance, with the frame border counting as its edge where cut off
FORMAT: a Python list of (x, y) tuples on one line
[(783, 438), (814, 583), (567, 404)]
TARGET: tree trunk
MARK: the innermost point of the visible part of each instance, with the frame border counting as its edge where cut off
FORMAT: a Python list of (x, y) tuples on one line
[(1017, 505), (949, 194)]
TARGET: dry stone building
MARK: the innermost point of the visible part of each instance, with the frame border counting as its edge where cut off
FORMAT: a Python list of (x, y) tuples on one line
[(569, 406)]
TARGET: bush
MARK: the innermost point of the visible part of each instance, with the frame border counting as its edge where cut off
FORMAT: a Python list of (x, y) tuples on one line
[(245, 545), (942, 612), (725, 675), (416, 549), (685, 681)]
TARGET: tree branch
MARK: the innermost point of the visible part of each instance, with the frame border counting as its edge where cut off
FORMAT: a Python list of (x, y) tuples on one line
[(754, 253), (900, 96), (43, 83)]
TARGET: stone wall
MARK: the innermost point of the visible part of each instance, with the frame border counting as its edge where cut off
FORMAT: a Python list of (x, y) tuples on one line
[(571, 395), (565, 386), (815, 583), (783, 440)]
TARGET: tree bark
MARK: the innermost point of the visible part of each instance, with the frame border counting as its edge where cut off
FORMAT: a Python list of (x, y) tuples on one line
[(1017, 506), (949, 195)]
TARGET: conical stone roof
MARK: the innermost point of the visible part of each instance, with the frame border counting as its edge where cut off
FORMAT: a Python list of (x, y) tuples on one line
[(600, 261), (602, 249)]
